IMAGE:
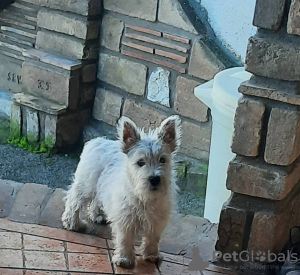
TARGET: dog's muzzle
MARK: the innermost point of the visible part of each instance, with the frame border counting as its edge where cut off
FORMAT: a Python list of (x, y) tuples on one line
[(154, 182)]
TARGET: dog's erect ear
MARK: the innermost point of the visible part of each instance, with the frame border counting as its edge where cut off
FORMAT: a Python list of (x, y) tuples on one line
[(128, 133), (170, 132)]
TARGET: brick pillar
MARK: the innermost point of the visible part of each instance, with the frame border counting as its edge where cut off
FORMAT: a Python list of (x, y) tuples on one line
[(264, 175)]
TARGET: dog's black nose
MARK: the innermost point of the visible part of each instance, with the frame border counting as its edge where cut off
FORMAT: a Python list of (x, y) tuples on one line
[(154, 181)]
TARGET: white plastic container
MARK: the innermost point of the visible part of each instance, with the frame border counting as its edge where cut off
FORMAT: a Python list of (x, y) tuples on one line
[(221, 96)]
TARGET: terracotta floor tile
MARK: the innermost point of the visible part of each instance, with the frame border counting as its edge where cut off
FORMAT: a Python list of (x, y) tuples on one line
[(167, 268), (34, 272), (72, 247), (89, 262), (10, 240), (176, 259), (11, 258), (6, 271), (110, 244), (48, 232), (39, 243), (45, 260)]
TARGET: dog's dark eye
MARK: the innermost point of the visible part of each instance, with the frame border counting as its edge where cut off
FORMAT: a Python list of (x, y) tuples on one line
[(162, 160), (141, 163)]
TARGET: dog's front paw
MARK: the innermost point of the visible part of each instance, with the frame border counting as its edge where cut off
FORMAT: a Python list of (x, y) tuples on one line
[(153, 258), (123, 261)]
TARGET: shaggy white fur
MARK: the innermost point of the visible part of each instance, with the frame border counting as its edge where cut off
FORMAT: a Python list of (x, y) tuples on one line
[(132, 182)]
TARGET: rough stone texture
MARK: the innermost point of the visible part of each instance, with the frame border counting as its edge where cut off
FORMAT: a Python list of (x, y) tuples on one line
[(107, 106), (111, 32), (231, 230), (33, 128), (283, 91), (203, 62), (195, 140), (293, 25), (89, 73), (134, 8), (50, 130), (51, 215), (143, 115), (247, 126), (122, 73), (10, 76), (63, 45), (64, 23), (82, 7), (283, 137), (50, 84), (8, 192), (15, 120), (171, 13), (271, 58), (158, 87), (185, 102), (251, 177), (28, 202), (268, 14)]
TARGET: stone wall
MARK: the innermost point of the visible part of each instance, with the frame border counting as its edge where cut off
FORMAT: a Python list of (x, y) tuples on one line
[(265, 174), (54, 78), (151, 59)]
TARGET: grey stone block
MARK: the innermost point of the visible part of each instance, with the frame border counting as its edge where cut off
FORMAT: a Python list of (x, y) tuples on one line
[(143, 115), (33, 127), (28, 203), (50, 130), (68, 24), (8, 193), (61, 44), (283, 137), (51, 215), (10, 76), (107, 106), (268, 14), (15, 121), (293, 24), (203, 62), (247, 126), (50, 84), (270, 57), (111, 32), (195, 141), (82, 7), (171, 13), (134, 8), (185, 102), (122, 73)]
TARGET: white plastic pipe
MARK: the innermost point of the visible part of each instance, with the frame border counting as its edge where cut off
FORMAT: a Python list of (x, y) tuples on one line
[(221, 96)]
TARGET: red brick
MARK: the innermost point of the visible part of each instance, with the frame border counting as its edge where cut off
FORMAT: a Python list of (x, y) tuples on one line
[(140, 29), (179, 58), (39, 243), (154, 60), (72, 247), (10, 240), (11, 258), (45, 260), (138, 47), (89, 262), (5, 271), (53, 233), (176, 38), (156, 42)]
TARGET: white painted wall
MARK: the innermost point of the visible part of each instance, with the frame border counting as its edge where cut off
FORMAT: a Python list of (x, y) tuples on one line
[(231, 21)]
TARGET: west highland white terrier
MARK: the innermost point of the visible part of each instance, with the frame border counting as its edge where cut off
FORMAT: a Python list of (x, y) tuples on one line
[(132, 182)]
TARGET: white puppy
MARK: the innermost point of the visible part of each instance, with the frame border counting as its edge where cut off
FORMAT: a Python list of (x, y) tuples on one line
[(130, 180)]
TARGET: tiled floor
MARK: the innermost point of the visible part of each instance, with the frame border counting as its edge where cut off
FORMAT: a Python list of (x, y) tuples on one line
[(30, 249)]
